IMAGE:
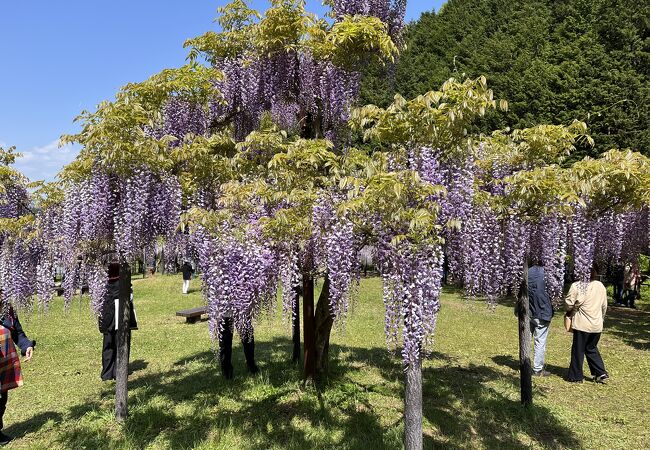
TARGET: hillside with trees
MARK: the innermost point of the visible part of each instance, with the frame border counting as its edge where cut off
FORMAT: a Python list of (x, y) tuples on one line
[(554, 61)]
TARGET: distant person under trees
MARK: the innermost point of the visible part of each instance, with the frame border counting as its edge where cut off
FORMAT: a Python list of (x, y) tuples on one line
[(541, 313), (108, 324), (11, 334), (618, 283), (187, 271), (632, 285)]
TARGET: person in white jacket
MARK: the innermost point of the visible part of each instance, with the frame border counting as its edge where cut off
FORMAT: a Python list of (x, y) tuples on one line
[(586, 305)]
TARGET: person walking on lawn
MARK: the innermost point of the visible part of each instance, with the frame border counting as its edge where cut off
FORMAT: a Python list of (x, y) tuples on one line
[(11, 333), (187, 270), (541, 313), (586, 305)]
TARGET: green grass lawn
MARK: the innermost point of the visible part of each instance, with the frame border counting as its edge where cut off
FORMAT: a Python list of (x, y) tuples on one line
[(178, 399)]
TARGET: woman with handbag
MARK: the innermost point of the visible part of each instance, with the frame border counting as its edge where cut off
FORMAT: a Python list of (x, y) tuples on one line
[(586, 305)]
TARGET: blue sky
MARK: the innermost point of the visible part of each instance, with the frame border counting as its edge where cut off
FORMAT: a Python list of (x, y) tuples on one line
[(59, 58)]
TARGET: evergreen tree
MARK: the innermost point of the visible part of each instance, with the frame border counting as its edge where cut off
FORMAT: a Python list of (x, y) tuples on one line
[(554, 61)]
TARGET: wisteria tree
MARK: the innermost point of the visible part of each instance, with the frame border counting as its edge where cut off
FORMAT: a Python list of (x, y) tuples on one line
[(413, 193), (255, 153), (122, 192), (290, 80), (529, 204)]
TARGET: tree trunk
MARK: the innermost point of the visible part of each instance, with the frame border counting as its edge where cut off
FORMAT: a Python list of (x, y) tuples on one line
[(308, 326), (324, 323), (295, 321), (525, 367), (122, 357), (413, 407)]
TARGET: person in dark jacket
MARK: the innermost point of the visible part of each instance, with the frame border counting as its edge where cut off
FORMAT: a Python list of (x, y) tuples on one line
[(10, 374), (541, 313), (187, 270), (108, 323)]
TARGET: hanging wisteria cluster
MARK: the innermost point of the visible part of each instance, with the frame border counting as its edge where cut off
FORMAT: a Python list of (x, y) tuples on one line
[(26, 262), (412, 282), (291, 86), (336, 253), (239, 277), (107, 217)]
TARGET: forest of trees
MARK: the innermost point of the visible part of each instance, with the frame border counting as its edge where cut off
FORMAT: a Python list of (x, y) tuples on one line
[(553, 60)]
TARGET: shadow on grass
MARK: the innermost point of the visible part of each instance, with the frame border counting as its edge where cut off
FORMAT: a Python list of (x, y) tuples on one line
[(192, 404), (33, 424), (630, 326), (509, 361), (467, 412)]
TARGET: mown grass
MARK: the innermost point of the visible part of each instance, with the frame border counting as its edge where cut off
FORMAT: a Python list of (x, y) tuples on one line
[(178, 399)]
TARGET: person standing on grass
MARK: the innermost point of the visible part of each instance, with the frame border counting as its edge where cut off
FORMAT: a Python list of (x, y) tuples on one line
[(187, 271), (586, 305), (632, 285), (108, 322), (541, 313), (225, 349), (618, 283), (11, 333)]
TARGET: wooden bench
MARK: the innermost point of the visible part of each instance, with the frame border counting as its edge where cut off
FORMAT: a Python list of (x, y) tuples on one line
[(194, 314)]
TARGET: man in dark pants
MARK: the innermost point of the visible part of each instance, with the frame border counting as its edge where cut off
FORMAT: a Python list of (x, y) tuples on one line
[(11, 376), (108, 324), (225, 350), (586, 304)]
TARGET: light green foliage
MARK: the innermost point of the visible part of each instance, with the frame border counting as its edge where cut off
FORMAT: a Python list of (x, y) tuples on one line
[(545, 182), (287, 26), (437, 119), (618, 180), (8, 155), (440, 120), (202, 161), (401, 199), (21, 227), (115, 136), (8, 175), (533, 147), (353, 39), (238, 23), (283, 27), (295, 175)]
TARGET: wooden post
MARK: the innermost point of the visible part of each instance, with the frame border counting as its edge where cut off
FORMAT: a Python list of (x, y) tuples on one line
[(122, 359), (308, 326), (324, 322), (525, 367), (413, 406), (295, 321)]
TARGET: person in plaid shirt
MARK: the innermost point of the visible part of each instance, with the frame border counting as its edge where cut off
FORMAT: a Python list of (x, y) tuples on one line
[(11, 334)]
